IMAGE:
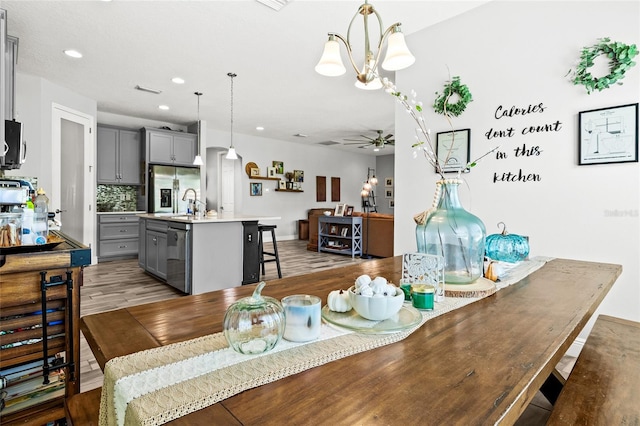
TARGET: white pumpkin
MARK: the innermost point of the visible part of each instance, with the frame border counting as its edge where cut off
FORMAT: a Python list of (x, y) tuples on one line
[(362, 280), (379, 285), (338, 301)]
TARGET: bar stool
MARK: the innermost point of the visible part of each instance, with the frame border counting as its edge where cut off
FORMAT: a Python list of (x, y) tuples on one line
[(266, 228)]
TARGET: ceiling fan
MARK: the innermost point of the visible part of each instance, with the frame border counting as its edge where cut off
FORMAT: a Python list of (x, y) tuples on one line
[(378, 142)]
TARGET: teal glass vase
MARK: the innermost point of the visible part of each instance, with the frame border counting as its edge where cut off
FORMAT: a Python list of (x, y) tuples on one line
[(455, 234)]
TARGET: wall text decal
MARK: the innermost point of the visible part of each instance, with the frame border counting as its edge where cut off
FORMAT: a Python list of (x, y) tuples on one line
[(523, 150)]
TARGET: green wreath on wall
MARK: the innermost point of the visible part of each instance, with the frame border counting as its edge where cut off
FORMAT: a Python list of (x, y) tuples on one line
[(620, 57), (442, 105)]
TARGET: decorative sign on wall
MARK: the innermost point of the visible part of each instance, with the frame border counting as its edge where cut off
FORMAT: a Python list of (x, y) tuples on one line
[(608, 135), (321, 188), (525, 150)]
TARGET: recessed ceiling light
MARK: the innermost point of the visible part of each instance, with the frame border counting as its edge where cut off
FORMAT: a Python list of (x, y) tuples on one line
[(73, 53), (163, 107), (177, 80), (260, 128)]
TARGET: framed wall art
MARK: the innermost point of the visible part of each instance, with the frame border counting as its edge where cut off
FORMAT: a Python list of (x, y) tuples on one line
[(453, 149), (271, 172), (608, 135), (279, 165), (388, 181), (255, 188)]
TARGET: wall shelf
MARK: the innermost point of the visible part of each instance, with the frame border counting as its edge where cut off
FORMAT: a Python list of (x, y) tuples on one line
[(263, 178), (289, 190)]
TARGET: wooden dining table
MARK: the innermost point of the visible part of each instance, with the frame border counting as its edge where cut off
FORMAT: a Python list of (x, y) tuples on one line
[(479, 364)]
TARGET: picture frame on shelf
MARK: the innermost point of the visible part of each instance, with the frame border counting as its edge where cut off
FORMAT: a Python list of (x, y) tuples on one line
[(255, 172), (339, 210), (279, 165), (453, 149), (344, 232), (271, 172), (388, 193), (255, 189), (608, 135), (282, 185), (333, 230), (388, 182), (348, 211)]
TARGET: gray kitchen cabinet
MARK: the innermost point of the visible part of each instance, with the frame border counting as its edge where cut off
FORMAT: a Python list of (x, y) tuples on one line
[(118, 156), (156, 248), (142, 243), (170, 147), (118, 236)]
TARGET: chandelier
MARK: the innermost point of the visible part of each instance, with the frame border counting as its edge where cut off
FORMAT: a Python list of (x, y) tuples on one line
[(231, 154), (398, 56)]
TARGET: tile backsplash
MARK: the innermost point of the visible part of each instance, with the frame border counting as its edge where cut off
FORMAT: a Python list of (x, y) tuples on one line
[(117, 198)]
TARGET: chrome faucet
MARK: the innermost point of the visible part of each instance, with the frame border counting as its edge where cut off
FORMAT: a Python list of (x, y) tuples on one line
[(195, 198)]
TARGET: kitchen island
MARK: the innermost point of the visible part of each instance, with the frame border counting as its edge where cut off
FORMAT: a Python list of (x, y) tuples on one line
[(200, 255)]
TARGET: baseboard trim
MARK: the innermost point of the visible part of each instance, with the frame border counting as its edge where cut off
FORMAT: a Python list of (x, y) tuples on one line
[(576, 347)]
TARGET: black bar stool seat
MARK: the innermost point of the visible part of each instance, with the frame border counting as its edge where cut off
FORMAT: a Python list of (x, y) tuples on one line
[(268, 228)]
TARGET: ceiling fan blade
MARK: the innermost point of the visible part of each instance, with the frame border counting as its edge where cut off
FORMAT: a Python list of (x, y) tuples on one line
[(390, 135)]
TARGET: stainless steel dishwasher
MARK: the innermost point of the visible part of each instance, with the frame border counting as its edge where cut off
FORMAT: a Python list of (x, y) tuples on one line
[(179, 256)]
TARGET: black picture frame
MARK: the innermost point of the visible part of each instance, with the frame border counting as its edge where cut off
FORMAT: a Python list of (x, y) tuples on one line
[(453, 149), (608, 135), (255, 189)]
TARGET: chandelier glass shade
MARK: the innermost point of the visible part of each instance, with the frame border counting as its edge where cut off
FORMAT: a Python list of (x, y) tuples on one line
[(397, 56)]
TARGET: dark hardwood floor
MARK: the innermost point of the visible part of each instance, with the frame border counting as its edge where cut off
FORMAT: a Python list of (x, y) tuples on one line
[(117, 284)]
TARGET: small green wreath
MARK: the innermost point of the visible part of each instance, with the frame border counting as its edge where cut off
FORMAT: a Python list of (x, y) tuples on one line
[(620, 60), (442, 105)]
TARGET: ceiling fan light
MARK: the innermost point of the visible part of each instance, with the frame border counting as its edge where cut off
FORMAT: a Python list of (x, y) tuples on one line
[(398, 56), (330, 64)]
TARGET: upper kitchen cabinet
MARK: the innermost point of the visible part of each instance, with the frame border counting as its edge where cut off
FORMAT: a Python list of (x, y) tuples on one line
[(118, 156), (169, 147)]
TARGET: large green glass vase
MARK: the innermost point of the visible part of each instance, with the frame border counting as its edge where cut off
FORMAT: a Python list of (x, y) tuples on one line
[(455, 234)]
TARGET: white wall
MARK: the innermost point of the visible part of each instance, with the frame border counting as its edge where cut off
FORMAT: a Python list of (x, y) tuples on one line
[(314, 160), (517, 53), (384, 169), (34, 99)]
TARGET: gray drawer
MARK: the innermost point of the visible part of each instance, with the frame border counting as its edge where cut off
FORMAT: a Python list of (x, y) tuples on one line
[(118, 230), (157, 225), (123, 247), (118, 218)]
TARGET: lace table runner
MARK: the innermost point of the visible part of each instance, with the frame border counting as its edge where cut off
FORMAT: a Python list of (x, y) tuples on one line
[(155, 386)]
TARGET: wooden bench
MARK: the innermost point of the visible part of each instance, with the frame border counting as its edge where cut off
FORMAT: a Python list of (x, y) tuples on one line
[(604, 385)]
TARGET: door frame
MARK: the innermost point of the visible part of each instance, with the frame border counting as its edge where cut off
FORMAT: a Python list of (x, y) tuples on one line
[(58, 113)]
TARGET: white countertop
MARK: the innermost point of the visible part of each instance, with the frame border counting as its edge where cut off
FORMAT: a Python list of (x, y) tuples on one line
[(123, 212), (215, 219)]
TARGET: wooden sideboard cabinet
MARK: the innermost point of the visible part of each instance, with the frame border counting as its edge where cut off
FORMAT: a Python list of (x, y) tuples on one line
[(33, 392)]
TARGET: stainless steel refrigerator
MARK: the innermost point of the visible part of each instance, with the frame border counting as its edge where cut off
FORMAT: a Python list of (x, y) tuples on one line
[(167, 185)]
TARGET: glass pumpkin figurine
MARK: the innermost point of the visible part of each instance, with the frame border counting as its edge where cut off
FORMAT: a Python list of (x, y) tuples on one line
[(254, 324), (506, 247)]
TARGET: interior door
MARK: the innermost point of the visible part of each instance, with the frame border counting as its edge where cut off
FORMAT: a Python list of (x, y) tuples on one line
[(227, 184), (73, 158)]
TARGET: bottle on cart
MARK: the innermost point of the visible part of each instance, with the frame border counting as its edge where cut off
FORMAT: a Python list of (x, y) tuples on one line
[(41, 217), (28, 237)]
